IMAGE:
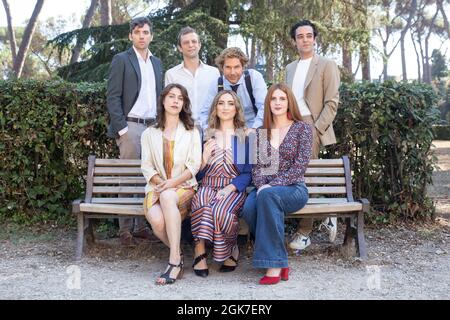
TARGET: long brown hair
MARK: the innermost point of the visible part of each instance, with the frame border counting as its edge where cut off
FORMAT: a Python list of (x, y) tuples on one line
[(238, 121), (292, 106), (185, 114)]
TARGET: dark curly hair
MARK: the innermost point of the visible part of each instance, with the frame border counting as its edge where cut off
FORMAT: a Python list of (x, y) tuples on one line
[(185, 114)]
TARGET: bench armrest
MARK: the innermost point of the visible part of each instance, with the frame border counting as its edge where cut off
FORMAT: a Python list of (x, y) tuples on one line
[(76, 206), (365, 203)]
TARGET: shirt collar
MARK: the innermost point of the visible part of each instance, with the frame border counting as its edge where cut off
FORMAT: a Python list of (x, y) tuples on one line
[(181, 65), (139, 55)]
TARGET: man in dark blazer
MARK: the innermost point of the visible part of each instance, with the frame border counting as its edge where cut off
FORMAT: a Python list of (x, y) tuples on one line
[(134, 84)]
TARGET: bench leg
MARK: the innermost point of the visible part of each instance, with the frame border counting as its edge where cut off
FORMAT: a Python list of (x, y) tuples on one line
[(350, 236), (360, 240), (80, 236), (90, 226)]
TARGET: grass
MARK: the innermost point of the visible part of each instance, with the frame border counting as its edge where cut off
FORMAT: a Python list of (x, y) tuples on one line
[(19, 234)]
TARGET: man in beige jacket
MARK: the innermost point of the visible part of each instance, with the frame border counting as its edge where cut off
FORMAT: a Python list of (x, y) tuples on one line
[(315, 82)]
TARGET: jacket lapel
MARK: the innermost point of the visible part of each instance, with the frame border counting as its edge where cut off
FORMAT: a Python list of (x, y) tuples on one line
[(157, 73), (157, 139), (311, 70), (134, 62), (179, 137), (291, 73)]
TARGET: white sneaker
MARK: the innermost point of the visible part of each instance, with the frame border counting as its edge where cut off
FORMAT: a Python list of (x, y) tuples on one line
[(330, 224), (299, 242)]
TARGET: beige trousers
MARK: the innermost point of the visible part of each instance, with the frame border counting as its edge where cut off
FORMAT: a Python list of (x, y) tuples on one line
[(130, 148)]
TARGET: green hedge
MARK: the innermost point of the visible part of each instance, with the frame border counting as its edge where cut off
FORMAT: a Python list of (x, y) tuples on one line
[(48, 129), (387, 129), (442, 132)]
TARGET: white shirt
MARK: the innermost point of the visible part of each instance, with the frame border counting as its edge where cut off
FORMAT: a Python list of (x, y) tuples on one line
[(298, 85), (145, 105), (197, 84)]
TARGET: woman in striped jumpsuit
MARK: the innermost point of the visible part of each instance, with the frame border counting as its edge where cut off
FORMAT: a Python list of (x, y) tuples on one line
[(225, 174)]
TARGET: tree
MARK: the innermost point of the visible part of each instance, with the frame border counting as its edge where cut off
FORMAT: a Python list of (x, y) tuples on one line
[(11, 34), (438, 65), (388, 26), (86, 24), (19, 59), (105, 12), (105, 41), (410, 8)]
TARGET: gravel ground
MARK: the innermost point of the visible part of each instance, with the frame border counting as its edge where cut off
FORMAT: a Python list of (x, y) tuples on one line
[(405, 262)]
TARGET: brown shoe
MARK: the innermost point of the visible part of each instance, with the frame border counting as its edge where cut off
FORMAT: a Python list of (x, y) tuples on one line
[(127, 240), (146, 234)]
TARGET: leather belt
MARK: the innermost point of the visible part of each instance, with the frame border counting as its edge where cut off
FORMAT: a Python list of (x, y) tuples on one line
[(147, 121)]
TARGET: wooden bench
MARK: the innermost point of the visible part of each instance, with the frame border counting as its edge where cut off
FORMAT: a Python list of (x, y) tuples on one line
[(115, 188)]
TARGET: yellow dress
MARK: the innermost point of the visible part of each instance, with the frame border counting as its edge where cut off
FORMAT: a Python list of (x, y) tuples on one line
[(185, 193)]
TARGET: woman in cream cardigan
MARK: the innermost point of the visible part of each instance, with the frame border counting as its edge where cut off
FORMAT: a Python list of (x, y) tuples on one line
[(171, 157)]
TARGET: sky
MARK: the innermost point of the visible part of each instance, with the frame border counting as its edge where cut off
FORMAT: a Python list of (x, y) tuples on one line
[(21, 10)]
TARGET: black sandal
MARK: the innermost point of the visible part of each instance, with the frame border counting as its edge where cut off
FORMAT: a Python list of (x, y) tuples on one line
[(166, 275), (200, 272), (225, 268)]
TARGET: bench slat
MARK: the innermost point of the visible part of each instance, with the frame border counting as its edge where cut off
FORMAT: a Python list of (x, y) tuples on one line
[(326, 200), (328, 208), (138, 209), (119, 190), (128, 171), (138, 201), (141, 190), (118, 162), (118, 200), (137, 163), (119, 180), (141, 180), (112, 208), (326, 190), (325, 180), (326, 163), (321, 172)]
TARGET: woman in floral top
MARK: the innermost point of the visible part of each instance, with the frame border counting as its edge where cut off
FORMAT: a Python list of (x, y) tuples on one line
[(283, 151)]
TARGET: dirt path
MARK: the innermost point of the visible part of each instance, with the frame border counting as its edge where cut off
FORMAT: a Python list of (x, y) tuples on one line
[(405, 262)]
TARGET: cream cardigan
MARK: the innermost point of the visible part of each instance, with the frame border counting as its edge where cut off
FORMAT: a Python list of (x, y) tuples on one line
[(187, 154)]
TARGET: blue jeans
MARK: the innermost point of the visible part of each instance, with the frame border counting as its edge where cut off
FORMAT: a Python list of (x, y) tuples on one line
[(264, 214)]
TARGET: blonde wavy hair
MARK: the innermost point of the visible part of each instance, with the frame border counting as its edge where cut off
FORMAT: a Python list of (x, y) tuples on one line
[(229, 53), (238, 121)]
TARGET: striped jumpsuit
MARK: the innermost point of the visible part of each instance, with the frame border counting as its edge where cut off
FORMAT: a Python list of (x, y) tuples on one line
[(217, 220)]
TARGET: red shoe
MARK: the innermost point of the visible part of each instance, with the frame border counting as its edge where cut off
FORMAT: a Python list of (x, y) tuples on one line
[(269, 280), (284, 275)]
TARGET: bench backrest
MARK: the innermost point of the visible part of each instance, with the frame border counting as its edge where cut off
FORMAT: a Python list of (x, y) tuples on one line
[(114, 181)]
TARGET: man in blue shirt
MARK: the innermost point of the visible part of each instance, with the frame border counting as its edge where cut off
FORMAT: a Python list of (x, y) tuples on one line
[(249, 86)]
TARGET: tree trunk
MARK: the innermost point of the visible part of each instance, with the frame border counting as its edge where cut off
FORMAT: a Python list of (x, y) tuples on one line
[(364, 48), (402, 53), (269, 67), (412, 12), (26, 40), (365, 63), (86, 24), (252, 63), (347, 60), (105, 12), (427, 66), (419, 75), (11, 34), (422, 55), (440, 6)]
